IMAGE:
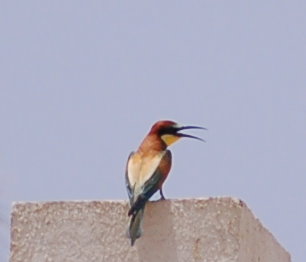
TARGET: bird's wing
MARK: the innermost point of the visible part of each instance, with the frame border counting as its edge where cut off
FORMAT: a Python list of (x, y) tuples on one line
[(159, 175), (152, 184), (127, 182)]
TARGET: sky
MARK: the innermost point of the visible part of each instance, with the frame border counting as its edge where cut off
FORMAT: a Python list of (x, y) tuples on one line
[(83, 81)]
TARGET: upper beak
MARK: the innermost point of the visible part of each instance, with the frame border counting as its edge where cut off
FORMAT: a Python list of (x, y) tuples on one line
[(190, 136)]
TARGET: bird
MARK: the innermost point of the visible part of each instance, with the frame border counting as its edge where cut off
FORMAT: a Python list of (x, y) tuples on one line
[(148, 167)]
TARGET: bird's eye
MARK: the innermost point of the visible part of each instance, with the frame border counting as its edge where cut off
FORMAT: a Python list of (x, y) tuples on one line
[(167, 131), (171, 130)]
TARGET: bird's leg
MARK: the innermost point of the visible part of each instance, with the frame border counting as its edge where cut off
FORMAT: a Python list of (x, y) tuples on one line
[(162, 197)]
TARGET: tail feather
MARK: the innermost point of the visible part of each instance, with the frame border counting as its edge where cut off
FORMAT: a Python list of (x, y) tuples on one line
[(135, 227), (137, 205)]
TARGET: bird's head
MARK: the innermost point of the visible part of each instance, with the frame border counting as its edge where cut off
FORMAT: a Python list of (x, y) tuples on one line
[(169, 131)]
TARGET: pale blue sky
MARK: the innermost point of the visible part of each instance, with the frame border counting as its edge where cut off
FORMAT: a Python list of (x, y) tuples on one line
[(83, 81)]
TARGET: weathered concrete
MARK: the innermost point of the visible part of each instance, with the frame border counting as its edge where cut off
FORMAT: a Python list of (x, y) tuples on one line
[(215, 229)]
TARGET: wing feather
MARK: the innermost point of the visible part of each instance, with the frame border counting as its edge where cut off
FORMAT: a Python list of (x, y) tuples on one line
[(146, 188), (127, 182)]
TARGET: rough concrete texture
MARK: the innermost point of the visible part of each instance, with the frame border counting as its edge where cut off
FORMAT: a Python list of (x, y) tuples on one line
[(214, 229)]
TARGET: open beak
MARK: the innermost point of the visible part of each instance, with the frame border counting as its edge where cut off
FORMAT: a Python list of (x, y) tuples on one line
[(190, 136)]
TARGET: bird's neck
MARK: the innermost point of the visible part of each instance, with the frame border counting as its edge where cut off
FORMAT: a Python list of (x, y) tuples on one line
[(152, 143)]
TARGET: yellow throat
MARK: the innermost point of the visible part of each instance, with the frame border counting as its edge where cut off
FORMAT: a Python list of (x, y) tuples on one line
[(169, 139)]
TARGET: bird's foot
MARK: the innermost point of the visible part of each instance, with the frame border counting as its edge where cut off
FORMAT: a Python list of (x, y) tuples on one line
[(162, 197)]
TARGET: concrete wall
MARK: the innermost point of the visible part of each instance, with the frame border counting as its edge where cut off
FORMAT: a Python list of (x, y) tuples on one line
[(215, 229)]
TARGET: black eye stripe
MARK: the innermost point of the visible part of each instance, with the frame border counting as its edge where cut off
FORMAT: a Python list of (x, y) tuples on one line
[(168, 131)]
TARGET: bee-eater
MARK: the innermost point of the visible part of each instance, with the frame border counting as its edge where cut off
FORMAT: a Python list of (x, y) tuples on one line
[(147, 169)]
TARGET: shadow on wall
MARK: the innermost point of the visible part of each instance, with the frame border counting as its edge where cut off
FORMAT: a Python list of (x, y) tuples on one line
[(3, 238), (158, 242)]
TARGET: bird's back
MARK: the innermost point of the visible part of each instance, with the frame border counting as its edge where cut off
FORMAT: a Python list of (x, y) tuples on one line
[(140, 169)]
